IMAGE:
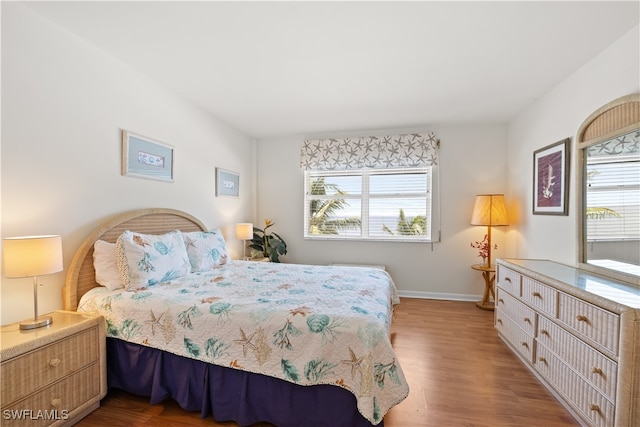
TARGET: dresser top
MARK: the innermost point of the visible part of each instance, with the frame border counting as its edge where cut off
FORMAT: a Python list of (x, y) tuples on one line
[(580, 282), (15, 341)]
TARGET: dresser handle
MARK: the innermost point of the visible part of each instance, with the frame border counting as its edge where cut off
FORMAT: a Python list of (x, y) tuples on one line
[(582, 318), (597, 371), (524, 344), (507, 279), (56, 402), (594, 407), (544, 332), (536, 294), (526, 319), (499, 321), (54, 362), (543, 360), (501, 300)]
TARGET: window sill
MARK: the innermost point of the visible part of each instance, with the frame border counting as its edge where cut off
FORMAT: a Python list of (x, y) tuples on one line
[(370, 239)]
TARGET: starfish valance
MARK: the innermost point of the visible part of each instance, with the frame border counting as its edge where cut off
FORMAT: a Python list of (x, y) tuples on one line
[(370, 152)]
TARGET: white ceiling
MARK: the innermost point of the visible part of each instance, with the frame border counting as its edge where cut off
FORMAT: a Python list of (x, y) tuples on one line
[(276, 68)]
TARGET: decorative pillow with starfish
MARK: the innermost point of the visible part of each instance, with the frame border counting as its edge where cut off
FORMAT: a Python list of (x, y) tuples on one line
[(145, 259)]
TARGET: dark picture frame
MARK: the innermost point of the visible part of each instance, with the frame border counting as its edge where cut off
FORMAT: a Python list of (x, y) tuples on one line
[(551, 179), (227, 183), (143, 157)]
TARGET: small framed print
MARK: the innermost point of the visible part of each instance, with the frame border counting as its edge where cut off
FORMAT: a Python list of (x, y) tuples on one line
[(144, 157), (551, 179), (227, 183)]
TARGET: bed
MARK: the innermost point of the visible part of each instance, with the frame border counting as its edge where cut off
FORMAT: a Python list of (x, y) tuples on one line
[(245, 341)]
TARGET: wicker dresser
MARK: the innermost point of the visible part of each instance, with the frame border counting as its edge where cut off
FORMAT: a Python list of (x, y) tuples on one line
[(579, 333), (52, 375)]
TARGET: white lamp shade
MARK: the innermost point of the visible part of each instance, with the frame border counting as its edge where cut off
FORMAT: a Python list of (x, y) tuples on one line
[(32, 256), (490, 209), (244, 231)]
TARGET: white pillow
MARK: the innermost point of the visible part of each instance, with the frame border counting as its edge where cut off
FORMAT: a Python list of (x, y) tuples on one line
[(206, 249), (146, 259), (104, 263)]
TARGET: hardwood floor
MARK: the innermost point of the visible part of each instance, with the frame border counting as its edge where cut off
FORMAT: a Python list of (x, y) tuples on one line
[(459, 371), (462, 374)]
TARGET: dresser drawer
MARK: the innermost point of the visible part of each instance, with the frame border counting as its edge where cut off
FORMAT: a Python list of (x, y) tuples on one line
[(522, 315), (509, 280), (585, 399), (600, 326), (55, 402), (519, 339), (47, 364), (600, 371), (539, 295)]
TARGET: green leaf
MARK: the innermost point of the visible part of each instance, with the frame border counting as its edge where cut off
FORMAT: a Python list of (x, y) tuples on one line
[(112, 330), (130, 328), (289, 370), (315, 370), (376, 410), (601, 213), (192, 349), (215, 348), (393, 374), (257, 247)]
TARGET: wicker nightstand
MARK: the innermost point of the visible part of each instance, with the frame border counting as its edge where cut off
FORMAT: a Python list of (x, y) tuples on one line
[(52, 375)]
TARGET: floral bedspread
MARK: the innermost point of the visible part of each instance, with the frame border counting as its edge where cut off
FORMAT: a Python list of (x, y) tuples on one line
[(304, 324)]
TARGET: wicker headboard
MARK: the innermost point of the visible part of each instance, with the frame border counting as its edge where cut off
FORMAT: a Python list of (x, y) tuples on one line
[(81, 276)]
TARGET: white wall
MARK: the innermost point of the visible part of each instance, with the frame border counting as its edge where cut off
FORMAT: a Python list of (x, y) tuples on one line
[(473, 161), (557, 115), (63, 105)]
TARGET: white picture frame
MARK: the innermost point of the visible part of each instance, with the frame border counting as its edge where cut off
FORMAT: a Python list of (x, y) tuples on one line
[(227, 183), (143, 157)]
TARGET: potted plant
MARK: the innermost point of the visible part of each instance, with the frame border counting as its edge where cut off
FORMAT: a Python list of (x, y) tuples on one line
[(483, 249), (269, 245)]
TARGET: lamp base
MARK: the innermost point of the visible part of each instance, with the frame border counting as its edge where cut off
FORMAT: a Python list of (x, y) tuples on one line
[(36, 323)]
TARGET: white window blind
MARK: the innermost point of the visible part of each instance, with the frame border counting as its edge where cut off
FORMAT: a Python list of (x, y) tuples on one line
[(613, 198), (613, 189)]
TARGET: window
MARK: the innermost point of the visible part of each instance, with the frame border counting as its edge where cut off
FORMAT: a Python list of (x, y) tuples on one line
[(372, 188), (398, 204)]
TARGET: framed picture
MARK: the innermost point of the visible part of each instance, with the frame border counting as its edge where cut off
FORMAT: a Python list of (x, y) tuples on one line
[(227, 183), (551, 179), (144, 157)]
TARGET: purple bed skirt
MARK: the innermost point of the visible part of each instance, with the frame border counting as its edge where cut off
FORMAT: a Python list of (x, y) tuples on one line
[(227, 394)]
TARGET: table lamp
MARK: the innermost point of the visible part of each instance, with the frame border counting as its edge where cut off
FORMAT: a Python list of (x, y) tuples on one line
[(244, 232), (33, 256), (489, 210)]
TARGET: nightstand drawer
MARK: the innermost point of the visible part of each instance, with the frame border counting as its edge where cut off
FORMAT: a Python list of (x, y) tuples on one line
[(508, 280), (55, 402), (45, 365), (600, 326), (522, 315), (595, 367), (541, 296)]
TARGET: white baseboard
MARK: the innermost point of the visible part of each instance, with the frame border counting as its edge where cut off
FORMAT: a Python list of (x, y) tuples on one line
[(438, 295)]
